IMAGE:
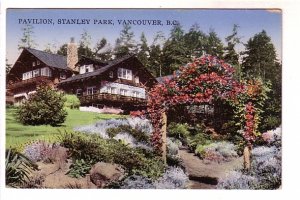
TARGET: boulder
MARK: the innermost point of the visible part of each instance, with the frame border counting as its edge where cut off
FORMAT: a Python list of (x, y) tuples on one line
[(102, 174)]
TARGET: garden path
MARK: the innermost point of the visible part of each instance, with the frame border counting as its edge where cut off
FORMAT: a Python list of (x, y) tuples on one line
[(206, 175)]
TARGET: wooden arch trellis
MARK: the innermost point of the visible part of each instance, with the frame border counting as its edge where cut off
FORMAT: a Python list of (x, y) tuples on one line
[(204, 80)]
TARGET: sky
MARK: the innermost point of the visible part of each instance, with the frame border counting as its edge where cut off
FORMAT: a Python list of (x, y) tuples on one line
[(221, 21)]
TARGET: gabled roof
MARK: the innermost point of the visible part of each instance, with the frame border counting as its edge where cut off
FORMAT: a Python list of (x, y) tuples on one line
[(50, 59), (98, 71)]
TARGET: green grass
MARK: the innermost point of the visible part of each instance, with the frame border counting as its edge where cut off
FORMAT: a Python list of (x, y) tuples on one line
[(18, 134)]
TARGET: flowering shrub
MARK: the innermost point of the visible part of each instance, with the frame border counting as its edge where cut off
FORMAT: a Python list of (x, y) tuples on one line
[(273, 136), (217, 152), (39, 151)]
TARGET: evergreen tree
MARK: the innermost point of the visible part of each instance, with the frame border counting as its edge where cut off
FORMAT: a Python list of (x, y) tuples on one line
[(143, 53), (231, 56), (102, 50), (195, 40), (125, 44), (214, 45), (27, 40), (155, 55), (84, 45), (48, 48), (7, 66), (259, 57), (63, 50), (175, 53)]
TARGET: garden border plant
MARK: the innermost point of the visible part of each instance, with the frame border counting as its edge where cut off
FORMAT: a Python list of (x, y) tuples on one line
[(206, 80)]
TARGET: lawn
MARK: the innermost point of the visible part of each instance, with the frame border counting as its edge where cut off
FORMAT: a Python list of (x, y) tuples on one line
[(18, 134)]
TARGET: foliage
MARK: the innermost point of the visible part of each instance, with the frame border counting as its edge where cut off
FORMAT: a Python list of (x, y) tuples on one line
[(44, 107), (202, 81), (177, 130), (138, 135), (266, 167), (39, 151), (71, 101), (217, 152), (80, 168), (237, 180), (27, 40), (173, 178), (17, 168), (92, 147), (125, 44)]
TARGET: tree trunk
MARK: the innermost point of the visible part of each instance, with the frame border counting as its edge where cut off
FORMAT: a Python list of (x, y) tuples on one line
[(164, 138), (247, 161)]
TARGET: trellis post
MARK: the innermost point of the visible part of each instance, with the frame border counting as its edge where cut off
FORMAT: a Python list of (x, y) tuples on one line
[(247, 155), (164, 137)]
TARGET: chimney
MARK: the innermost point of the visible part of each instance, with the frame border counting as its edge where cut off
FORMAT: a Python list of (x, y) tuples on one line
[(72, 55)]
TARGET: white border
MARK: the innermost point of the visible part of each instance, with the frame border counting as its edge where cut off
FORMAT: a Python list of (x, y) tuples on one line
[(291, 137)]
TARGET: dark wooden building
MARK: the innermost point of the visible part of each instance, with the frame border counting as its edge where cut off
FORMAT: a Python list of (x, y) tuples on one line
[(121, 83), (34, 67)]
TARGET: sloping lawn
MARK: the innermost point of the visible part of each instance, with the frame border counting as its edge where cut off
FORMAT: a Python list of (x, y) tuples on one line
[(18, 134)]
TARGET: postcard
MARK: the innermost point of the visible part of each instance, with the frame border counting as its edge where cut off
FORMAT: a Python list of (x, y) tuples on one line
[(143, 98)]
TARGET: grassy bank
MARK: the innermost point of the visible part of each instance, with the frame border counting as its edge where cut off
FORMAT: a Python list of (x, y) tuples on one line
[(18, 134)]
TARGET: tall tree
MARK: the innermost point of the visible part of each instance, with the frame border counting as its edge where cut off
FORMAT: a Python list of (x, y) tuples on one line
[(259, 57), (63, 50), (103, 50), (125, 44), (175, 52), (27, 40), (155, 54), (195, 40), (143, 52), (214, 44), (231, 56), (7, 66), (84, 45), (50, 48)]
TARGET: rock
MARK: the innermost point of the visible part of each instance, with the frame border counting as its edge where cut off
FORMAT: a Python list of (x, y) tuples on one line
[(101, 174)]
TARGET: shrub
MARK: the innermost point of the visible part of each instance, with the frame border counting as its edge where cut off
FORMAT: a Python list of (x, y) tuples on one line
[(179, 131), (17, 168), (93, 147), (44, 107), (137, 182), (237, 180), (135, 133), (173, 178), (217, 152), (195, 140), (39, 151), (80, 168), (270, 122), (71, 101)]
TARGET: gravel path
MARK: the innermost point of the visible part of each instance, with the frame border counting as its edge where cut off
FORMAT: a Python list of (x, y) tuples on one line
[(203, 175)]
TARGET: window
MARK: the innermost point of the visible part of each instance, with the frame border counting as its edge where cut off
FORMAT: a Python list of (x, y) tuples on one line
[(137, 79), (36, 73), (38, 62), (111, 74), (114, 90), (86, 69), (79, 92), (108, 90), (27, 75), (62, 75), (136, 94), (123, 92), (125, 73), (33, 64), (45, 72), (91, 90)]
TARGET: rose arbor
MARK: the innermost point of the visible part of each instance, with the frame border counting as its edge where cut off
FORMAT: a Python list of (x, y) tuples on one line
[(205, 80)]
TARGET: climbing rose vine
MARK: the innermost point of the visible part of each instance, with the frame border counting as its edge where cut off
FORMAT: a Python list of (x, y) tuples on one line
[(204, 80)]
